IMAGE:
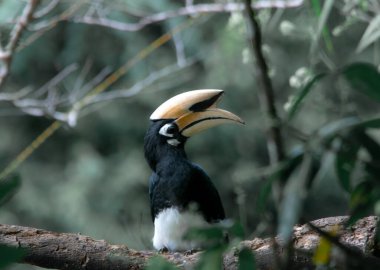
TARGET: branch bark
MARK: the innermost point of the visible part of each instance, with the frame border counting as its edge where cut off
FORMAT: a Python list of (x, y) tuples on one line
[(75, 251)]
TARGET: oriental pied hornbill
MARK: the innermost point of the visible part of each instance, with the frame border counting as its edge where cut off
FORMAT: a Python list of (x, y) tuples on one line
[(177, 186)]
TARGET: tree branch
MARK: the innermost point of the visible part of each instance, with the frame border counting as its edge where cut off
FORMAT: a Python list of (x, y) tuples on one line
[(265, 92), (47, 9), (63, 106), (75, 251), (188, 10), (6, 55)]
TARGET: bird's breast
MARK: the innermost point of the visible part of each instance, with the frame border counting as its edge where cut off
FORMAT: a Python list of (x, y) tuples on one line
[(170, 226)]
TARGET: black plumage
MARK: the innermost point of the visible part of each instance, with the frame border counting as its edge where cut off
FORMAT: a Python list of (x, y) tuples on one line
[(182, 195), (177, 182)]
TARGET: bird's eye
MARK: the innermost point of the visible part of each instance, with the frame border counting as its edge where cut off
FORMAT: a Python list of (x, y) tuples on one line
[(168, 130), (171, 129)]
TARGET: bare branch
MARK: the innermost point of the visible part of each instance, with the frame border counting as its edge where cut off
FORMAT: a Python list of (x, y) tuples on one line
[(49, 101), (47, 9), (56, 80), (141, 85), (265, 92), (44, 25), (6, 55), (75, 251), (188, 10), (82, 108), (16, 95), (267, 101), (81, 92)]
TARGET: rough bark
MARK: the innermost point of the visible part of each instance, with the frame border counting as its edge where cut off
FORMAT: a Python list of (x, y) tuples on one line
[(74, 251)]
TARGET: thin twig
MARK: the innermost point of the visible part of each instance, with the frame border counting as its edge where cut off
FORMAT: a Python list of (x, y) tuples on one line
[(141, 85), (16, 95), (56, 79), (267, 102), (6, 55), (266, 92), (188, 10), (83, 74), (46, 10), (43, 26), (80, 93)]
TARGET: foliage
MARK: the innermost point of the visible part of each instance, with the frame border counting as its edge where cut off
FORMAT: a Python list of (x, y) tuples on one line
[(10, 255), (217, 239), (159, 263)]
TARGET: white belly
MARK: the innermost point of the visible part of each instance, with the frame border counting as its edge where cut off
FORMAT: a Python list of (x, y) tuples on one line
[(170, 226)]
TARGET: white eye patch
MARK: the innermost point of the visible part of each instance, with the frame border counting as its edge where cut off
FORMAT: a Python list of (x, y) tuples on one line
[(167, 130)]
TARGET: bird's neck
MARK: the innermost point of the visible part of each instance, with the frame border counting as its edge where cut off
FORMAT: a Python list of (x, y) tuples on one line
[(172, 157), (165, 156)]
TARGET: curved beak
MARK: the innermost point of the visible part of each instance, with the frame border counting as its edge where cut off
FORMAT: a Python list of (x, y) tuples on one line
[(195, 111)]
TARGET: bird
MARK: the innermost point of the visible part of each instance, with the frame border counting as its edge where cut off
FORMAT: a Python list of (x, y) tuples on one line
[(182, 195)]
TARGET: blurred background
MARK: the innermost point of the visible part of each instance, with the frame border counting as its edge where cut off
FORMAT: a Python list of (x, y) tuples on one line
[(90, 176)]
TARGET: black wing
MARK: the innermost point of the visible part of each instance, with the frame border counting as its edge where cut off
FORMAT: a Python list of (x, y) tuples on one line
[(204, 194), (187, 184), (153, 180)]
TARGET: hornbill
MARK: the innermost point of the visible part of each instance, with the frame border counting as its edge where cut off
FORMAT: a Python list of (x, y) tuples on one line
[(182, 195)]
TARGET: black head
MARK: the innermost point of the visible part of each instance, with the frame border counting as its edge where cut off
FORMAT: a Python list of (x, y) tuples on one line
[(163, 139)]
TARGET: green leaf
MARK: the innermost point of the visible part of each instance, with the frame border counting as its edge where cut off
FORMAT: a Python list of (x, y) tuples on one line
[(371, 34), (345, 162), (372, 168), (327, 7), (246, 260), (322, 14), (9, 255), (332, 129), (323, 252), (363, 200), (263, 196), (285, 170), (370, 144), (159, 263), (364, 78), (359, 194), (212, 259), (294, 194), (322, 22), (371, 123), (236, 230), (8, 188), (298, 98), (209, 233)]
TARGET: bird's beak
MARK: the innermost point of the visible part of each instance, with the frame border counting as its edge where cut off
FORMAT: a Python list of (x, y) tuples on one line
[(195, 111)]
